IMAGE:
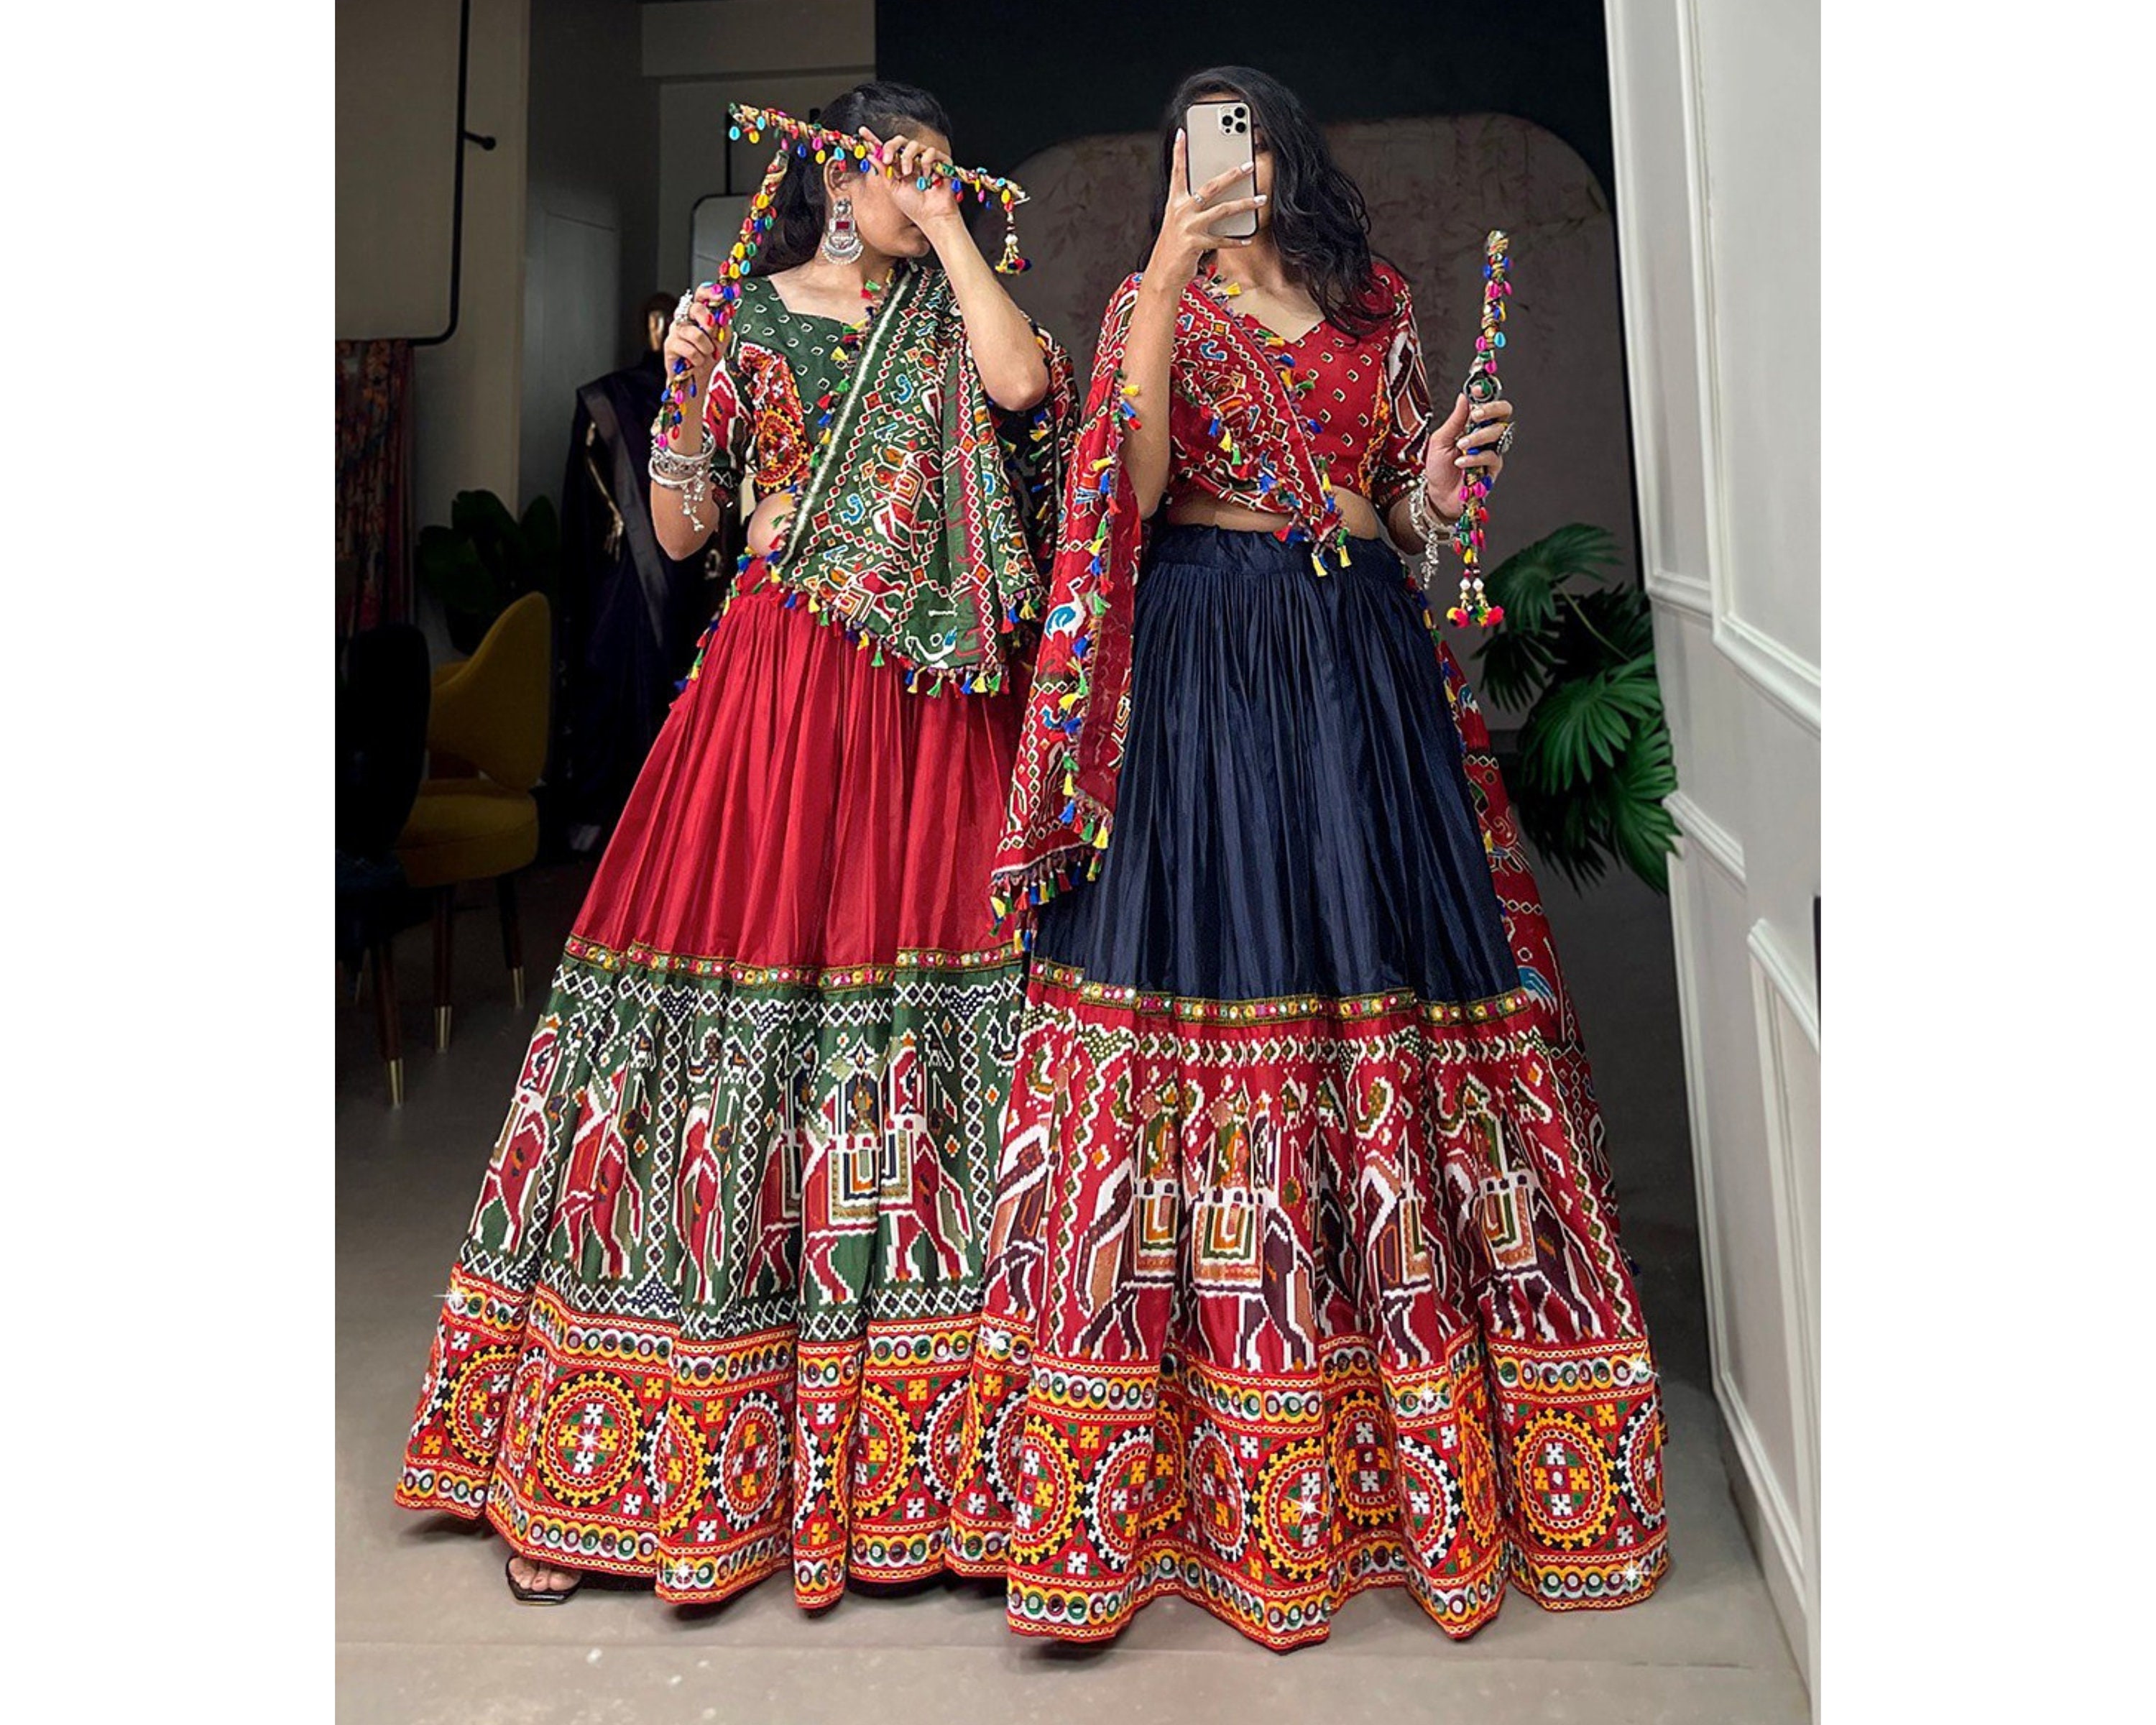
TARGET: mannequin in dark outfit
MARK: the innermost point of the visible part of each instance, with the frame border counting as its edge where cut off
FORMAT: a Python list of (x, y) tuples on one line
[(631, 614)]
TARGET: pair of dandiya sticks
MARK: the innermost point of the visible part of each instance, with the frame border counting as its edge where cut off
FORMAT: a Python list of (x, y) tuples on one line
[(803, 140)]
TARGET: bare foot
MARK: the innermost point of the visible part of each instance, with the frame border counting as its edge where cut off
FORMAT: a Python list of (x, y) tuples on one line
[(538, 1578)]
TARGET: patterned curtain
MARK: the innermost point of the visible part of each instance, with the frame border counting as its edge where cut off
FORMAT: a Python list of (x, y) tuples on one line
[(373, 484)]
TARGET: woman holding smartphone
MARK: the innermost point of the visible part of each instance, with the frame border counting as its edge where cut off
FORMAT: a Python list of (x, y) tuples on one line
[(1304, 1275), (712, 1316)]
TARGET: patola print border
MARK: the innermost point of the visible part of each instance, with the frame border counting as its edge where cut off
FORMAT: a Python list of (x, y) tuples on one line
[(638, 956), (1069, 980)]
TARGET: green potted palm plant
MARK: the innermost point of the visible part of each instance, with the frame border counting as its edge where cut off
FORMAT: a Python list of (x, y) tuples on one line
[(485, 558), (1577, 652)]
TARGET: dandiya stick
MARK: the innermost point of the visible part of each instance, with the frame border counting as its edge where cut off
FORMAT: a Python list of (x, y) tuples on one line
[(802, 139), (1482, 386)]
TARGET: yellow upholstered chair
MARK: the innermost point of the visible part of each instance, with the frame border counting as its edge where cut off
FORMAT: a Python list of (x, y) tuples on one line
[(475, 818)]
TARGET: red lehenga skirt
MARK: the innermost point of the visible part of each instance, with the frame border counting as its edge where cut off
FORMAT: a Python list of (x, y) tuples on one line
[(1303, 1275), (713, 1315)]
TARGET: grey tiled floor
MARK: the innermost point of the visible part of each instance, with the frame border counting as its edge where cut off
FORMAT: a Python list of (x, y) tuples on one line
[(427, 1635)]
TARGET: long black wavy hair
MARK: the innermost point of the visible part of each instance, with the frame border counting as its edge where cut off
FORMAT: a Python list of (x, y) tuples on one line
[(798, 212), (1319, 221)]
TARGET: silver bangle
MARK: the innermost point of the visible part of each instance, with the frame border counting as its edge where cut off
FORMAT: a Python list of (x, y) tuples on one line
[(668, 464), (689, 474), (1429, 527)]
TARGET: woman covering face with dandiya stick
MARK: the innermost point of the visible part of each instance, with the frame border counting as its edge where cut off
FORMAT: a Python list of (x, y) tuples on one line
[(712, 1316), (1303, 1275)]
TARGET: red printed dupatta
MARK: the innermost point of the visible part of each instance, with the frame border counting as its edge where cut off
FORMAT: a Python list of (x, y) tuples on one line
[(1062, 804)]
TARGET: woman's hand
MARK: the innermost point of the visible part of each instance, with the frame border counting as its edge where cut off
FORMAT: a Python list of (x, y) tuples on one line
[(1466, 443), (694, 341), (912, 162), (1186, 226)]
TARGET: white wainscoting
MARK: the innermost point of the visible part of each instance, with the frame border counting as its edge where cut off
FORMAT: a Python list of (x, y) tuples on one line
[(1706, 906), (1787, 1018)]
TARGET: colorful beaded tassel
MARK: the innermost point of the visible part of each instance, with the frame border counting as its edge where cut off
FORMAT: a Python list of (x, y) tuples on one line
[(1482, 387)]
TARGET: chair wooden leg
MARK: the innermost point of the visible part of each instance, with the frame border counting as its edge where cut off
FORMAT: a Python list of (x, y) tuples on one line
[(387, 1036), (512, 936), (445, 935)]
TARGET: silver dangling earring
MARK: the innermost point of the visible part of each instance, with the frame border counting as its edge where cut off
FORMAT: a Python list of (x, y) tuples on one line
[(842, 240)]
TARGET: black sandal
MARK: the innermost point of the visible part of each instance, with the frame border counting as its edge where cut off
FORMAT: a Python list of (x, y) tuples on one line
[(535, 1595)]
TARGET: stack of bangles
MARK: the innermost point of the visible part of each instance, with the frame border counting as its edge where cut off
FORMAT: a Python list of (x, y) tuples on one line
[(688, 476), (1429, 527)]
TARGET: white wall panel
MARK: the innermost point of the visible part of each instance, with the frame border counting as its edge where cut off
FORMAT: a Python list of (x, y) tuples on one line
[(1655, 264), (1755, 70)]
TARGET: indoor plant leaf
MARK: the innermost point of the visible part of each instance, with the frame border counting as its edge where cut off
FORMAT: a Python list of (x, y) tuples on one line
[(1595, 756)]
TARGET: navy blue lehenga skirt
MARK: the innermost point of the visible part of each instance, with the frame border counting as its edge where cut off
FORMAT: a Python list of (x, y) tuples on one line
[(1293, 817)]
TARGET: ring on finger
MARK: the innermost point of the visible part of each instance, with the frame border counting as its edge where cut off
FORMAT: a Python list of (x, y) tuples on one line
[(1504, 443)]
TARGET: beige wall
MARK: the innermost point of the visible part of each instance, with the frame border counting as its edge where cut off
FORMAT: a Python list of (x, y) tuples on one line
[(1716, 114)]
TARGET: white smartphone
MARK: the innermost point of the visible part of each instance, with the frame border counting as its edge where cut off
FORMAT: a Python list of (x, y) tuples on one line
[(1217, 138)]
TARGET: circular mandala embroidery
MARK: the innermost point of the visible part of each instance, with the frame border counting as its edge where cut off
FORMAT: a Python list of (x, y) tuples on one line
[(883, 1451), (520, 1420), (1362, 1460), (587, 1440), (476, 1399), (1478, 1479), (1005, 1437), (1562, 1482), (1216, 1495), (1116, 1506), (1046, 1501), (751, 1460), (1639, 1460), (1164, 1480), (950, 1440), (1430, 1500), (676, 1470), (1295, 1511)]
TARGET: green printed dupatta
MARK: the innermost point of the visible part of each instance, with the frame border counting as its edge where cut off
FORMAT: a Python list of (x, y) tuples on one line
[(927, 520)]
